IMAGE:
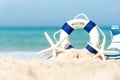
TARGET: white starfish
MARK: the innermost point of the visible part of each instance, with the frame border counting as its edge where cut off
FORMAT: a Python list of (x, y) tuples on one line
[(53, 47), (101, 51)]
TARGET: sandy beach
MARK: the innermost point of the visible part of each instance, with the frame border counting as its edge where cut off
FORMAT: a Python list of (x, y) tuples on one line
[(71, 65)]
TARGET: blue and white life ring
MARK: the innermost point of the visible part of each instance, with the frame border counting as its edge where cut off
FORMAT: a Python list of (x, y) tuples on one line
[(77, 23)]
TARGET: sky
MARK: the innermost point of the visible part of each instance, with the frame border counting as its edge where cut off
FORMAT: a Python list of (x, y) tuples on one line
[(57, 12)]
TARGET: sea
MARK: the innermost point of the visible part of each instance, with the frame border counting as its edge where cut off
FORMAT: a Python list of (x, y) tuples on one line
[(25, 42)]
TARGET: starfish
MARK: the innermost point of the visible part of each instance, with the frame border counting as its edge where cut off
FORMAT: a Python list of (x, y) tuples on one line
[(53, 47), (100, 49)]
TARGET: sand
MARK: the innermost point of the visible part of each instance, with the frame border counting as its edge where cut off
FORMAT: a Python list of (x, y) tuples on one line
[(72, 65)]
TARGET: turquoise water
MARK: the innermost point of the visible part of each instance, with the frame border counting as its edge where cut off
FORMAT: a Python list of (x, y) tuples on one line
[(32, 39)]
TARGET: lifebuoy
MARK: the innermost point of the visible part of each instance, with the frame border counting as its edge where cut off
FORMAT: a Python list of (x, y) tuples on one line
[(77, 23)]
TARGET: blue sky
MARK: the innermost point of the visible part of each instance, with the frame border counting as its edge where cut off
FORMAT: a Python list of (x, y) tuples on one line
[(56, 12)]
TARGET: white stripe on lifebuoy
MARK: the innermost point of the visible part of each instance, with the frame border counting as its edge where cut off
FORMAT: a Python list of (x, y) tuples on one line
[(74, 24)]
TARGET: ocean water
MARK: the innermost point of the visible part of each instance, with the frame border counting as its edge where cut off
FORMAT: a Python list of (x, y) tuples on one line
[(24, 42)]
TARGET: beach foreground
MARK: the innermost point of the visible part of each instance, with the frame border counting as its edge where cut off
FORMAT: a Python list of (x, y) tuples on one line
[(71, 65)]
